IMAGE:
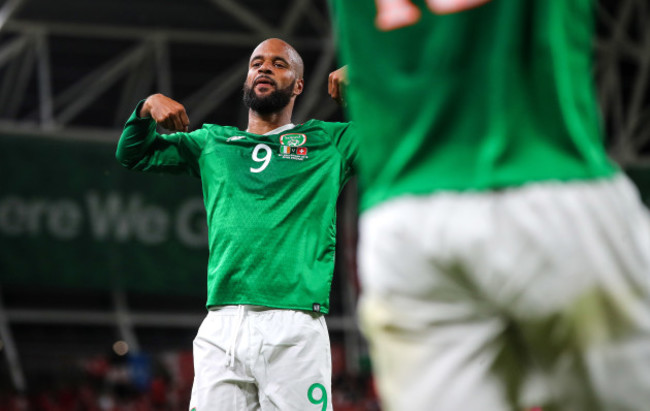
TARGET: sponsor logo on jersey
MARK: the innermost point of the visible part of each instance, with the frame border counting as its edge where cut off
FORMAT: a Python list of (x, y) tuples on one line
[(291, 146), (293, 139), (234, 138)]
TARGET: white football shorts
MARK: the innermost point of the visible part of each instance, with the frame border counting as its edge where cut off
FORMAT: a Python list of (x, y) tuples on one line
[(491, 301), (257, 358)]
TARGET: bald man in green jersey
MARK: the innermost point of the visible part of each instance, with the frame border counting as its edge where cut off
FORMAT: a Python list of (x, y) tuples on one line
[(270, 193), (504, 259)]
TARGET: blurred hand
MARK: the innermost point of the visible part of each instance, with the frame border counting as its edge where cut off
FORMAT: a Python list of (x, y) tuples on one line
[(337, 81), (167, 112)]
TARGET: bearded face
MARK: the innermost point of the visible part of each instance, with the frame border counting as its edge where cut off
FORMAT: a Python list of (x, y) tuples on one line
[(272, 102)]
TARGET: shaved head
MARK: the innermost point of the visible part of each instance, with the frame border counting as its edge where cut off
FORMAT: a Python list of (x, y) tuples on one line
[(294, 58), (274, 78)]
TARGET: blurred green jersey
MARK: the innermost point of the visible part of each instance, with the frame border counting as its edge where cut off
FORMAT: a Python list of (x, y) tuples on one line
[(488, 98)]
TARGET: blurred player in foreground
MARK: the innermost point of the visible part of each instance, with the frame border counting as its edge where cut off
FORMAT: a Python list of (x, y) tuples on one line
[(504, 260), (270, 194)]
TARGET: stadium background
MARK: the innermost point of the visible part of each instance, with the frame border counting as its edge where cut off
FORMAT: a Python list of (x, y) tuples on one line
[(102, 271)]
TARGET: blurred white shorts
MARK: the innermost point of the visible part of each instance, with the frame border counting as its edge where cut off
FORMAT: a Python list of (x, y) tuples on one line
[(538, 295), (257, 358)]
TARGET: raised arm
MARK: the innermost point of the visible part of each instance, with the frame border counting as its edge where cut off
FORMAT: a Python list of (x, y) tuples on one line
[(142, 148)]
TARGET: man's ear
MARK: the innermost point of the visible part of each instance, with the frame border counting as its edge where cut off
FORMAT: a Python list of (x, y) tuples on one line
[(298, 87)]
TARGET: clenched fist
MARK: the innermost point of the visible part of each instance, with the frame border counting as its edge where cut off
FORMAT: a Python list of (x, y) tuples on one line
[(336, 83), (167, 112)]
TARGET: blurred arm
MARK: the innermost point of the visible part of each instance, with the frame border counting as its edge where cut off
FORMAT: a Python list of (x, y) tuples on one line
[(453, 6)]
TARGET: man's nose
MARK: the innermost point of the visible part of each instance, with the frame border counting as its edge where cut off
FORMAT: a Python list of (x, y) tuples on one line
[(265, 68)]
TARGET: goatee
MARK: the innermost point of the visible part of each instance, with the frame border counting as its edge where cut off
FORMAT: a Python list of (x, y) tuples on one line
[(272, 103)]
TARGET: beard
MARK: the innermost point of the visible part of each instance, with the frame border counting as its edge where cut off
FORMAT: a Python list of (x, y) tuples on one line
[(272, 103)]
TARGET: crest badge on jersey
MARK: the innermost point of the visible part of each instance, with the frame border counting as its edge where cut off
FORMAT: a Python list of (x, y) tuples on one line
[(293, 139), (291, 146)]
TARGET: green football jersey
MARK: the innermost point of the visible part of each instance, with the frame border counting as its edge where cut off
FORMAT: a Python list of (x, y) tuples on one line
[(492, 97), (270, 203)]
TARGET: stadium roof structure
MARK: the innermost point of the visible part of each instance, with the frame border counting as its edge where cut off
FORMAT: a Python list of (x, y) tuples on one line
[(79, 67), (623, 78)]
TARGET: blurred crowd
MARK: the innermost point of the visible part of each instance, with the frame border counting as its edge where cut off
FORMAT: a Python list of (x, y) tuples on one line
[(161, 383)]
